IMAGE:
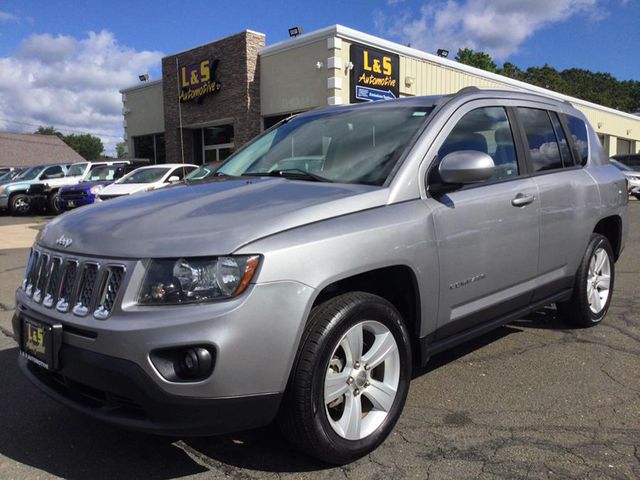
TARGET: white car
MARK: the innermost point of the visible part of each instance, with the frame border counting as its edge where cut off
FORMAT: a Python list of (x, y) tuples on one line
[(145, 179), (632, 176)]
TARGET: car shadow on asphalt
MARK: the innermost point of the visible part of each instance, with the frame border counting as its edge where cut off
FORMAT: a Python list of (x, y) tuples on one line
[(40, 433)]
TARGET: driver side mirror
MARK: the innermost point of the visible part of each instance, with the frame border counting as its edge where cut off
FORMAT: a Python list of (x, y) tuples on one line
[(174, 179), (466, 166)]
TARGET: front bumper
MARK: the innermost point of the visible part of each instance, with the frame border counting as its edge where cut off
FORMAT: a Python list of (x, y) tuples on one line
[(69, 202), (254, 336), (4, 203), (38, 202), (121, 393)]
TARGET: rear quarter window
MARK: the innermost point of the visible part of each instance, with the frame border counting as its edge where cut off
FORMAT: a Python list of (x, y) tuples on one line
[(578, 131)]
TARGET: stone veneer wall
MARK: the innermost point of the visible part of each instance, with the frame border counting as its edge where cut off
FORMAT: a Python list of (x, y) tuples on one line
[(238, 99)]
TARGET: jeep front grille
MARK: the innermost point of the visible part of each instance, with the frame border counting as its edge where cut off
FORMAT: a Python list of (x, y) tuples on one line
[(61, 282)]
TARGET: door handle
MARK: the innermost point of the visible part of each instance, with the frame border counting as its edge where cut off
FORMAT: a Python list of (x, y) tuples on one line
[(521, 200)]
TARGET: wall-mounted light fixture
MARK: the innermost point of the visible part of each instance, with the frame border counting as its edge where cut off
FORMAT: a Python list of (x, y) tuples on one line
[(628, 131), (349, 66), (319, 65), (295, 31), (600, 125), (409, 81)]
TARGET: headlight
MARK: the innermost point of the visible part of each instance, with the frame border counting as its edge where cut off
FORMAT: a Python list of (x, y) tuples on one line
[(96, 189), (195, 280)]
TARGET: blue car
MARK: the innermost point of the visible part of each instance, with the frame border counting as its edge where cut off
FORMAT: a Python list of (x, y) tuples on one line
[(84, 193)]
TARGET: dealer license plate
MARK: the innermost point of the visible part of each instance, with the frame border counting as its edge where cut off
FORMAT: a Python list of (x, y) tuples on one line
[(71, 204), (41, 343)]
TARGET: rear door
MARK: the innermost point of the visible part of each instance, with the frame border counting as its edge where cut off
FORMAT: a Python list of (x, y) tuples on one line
[(569, 198), (487, 234)]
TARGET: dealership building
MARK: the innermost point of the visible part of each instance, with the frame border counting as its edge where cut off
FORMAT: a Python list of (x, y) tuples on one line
[(213, 98)]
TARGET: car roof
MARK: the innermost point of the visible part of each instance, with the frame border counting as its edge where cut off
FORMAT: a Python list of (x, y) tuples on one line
[(466, 94)]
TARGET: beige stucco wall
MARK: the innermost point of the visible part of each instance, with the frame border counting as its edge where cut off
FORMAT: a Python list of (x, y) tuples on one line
[(291, 80), (143, 111)]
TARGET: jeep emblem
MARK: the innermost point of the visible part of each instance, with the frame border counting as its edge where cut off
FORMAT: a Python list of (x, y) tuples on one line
[(63, 241)]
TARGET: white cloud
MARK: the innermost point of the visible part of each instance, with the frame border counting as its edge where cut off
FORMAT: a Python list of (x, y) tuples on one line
[(6, 17), (70, 83), (497, 27)]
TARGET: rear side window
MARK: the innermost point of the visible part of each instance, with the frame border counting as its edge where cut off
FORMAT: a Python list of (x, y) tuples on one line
[(578, 131), (486, 130), (543, 146)]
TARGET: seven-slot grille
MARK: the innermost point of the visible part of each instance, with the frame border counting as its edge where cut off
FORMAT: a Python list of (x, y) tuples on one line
[(58, 282)]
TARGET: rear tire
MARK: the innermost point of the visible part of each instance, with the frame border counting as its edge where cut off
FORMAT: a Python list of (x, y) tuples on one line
[(54, 204), (350, 379), (19, 205), (593, 287)]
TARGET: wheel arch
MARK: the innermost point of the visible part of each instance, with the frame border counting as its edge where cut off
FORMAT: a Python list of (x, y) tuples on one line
[(397, 284), (611, 228)]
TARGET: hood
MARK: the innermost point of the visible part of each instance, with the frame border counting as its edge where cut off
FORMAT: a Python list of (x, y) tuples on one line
[(125, 188), (84, 186), (213, 218)]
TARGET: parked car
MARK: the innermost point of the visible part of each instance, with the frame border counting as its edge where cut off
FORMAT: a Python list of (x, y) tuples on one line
[(45, 196), (308, 296), (13, 195), (631, 160), (633, 177), (146, 179), (86, 191)]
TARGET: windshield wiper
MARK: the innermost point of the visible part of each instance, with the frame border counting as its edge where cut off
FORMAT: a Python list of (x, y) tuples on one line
[(292, 173)]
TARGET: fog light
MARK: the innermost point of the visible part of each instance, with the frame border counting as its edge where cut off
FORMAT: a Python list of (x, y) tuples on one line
[(196, 362), (184, 364)]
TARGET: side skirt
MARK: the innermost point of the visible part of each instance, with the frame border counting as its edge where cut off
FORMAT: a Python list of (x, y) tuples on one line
[(429, 347)]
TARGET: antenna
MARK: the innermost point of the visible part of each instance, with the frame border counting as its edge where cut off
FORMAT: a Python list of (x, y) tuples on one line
[(180, 117)]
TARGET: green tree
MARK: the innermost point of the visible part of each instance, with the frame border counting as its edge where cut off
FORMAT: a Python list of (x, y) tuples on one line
[(49, 131), (476, 59), (88, 146), (120, 149)]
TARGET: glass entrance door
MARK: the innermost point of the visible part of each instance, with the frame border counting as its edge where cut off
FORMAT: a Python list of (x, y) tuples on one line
[(217, 143)]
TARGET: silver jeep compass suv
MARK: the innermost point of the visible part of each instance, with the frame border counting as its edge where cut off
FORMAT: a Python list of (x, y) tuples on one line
[(321, 263)]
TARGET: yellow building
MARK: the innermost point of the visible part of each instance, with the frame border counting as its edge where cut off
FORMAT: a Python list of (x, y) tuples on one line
[(250, 91)]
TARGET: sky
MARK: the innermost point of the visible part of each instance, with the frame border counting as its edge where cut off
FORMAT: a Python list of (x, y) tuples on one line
[(62, 63)]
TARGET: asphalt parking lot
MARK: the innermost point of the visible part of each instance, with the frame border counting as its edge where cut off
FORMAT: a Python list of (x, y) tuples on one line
[(533, 399)]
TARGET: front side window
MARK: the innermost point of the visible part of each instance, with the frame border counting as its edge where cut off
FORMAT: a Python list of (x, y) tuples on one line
[(53, 172), (356, 145), (144, 175), (485, 130), (30, 174), (578, 131), (543, 146)]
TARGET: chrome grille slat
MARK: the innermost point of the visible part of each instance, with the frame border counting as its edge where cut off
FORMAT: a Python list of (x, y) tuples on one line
[(67, 284), (32, 272), (86, 290), (109, 291), (41, 278), (53, 282)]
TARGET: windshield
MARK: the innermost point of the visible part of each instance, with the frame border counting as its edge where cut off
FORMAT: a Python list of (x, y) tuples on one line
[(144, 175), (6, 175), (360, 145), (202, 172), (30, 174), (104, 173), (76, 169)]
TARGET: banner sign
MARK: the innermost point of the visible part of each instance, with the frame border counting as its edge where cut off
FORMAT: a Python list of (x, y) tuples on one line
[(375, 74), (198, 80)]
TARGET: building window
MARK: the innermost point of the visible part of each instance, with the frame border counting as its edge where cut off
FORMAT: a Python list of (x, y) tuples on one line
[(217, 143), (150, 147)]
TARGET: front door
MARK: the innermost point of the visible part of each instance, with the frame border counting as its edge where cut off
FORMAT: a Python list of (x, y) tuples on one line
[(487, 234)]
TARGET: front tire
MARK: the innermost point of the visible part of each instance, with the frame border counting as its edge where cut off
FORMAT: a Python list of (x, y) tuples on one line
[(54, 204), (593, 287), (350, 379), (19, 205)]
